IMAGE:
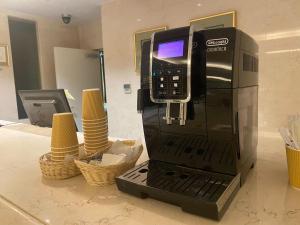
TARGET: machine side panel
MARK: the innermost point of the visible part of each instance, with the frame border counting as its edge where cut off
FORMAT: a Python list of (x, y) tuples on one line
[(248, 63)]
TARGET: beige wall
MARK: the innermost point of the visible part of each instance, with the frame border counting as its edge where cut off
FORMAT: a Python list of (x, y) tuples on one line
[(274, 23), (8, 107), (90, 34), (50, 34)]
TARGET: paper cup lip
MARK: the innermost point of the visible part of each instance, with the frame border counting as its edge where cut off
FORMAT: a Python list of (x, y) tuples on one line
[(102, 143), (62, 157), (95, 135), (97, 140), (64, 113), (94, 149), (93, 117), (104, 126), (85, 121), (91, 89), (63, 148), (60, 160), (95, 124), (61, 154), (88, 142), (64, 152), (99, 135), (95, 130), (57, 160), (91, 120), (291, 148), (97, 147)]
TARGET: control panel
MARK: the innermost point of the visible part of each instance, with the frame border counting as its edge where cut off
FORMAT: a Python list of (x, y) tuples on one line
[(170, 66), (169, 81)]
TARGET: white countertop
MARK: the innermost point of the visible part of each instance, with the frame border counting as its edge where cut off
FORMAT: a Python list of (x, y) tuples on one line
[(27, 198)]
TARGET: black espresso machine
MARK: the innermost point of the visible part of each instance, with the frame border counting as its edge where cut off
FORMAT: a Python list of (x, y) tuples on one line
[(198, 100)]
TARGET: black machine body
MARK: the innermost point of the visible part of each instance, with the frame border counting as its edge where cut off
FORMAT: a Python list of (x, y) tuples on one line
[(198, 100)]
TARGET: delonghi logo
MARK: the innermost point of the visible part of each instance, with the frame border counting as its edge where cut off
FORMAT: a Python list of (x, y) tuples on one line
[(216, 42)]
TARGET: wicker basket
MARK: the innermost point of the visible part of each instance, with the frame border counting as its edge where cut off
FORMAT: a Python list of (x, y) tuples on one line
[(58, 170), (104, 175)]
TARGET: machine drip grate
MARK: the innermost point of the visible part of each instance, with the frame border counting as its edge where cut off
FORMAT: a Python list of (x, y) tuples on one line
[(194, 183)]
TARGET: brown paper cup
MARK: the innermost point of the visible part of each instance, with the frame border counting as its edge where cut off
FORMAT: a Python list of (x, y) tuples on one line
[(74, 151), (98, 125), (95, 136), (104, 119), (94, 144), (293, 162), (96, 141), (92, 105), (95, 131), (63, 131), (56, 157), (62, 158), (66, 149)]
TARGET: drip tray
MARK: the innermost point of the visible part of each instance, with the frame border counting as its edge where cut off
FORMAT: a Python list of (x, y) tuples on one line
[(195, 191)]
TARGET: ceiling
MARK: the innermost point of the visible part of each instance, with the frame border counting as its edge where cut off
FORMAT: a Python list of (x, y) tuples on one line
[(81, 10)]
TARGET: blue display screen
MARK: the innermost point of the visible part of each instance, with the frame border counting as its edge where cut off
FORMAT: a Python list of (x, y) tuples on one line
[(171, 49)]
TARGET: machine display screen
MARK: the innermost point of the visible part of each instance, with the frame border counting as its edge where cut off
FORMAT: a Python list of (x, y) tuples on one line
[(171, 49)]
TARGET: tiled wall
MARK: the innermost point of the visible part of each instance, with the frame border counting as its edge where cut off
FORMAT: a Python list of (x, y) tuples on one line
[(275, 24)]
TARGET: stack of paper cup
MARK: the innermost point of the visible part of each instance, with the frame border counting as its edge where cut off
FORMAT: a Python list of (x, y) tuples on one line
[(293, 162), (64, 140), (94, 122)]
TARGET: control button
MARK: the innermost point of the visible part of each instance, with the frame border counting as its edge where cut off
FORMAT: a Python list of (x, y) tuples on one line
[(174, 92), (178, 71), (175, 77), (175, 85), (161, 79), (161, 85)]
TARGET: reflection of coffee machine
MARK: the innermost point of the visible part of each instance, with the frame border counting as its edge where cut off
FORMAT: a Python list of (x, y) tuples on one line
[(199, 107)]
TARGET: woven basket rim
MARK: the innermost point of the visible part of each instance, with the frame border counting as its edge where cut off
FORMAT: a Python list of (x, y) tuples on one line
[(53, 162), (127, 142)]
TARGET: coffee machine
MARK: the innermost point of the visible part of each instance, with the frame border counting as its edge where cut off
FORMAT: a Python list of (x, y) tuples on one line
[(198, 100)]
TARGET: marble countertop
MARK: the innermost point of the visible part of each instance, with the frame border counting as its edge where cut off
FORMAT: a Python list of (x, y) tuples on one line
[(27, 198)]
